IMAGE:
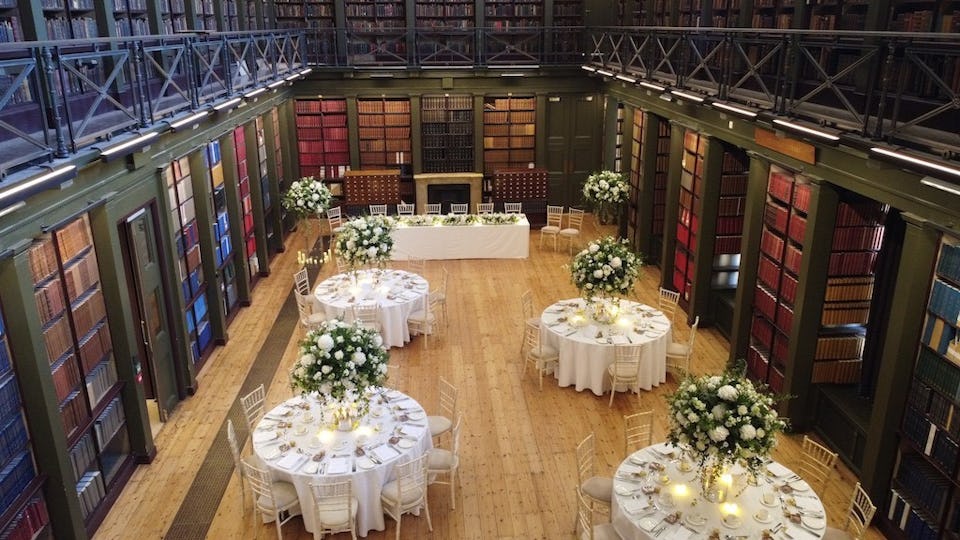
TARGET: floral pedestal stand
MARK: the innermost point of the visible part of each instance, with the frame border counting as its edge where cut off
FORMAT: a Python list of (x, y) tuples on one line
[(310, 255)]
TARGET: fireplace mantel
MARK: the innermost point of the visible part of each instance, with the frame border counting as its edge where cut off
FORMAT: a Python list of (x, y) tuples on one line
[(423, 180)]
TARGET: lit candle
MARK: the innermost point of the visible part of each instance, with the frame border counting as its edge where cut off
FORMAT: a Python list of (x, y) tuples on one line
[(325, 436), (680, 490), (730, 509), (726, 479), (364, 430)]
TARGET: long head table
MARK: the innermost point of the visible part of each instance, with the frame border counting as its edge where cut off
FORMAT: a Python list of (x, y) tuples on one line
[(477, 241)]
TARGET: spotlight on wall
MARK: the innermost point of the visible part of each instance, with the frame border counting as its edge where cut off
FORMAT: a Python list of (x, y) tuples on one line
[(128, 147), (804, 130)]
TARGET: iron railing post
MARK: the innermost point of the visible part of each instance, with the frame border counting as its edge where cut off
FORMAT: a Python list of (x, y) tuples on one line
[(50, 67)]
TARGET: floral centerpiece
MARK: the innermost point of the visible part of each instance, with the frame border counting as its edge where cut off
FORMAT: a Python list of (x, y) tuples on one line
[(603, 271), (338, 362), (304, 198), (722, 420), (499, 219), (456, 220), (419, 220), (607, 190), (366, 241)]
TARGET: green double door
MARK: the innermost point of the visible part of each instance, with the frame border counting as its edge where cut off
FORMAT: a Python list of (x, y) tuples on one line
[(574, 125)]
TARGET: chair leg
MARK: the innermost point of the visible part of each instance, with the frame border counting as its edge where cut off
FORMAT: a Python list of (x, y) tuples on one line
[(453, 488), (426, 508), (613, 390), (399, 515)]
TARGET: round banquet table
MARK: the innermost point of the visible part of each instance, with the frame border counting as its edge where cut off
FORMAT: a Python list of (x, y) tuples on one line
[(655, 491), (398, 293), (319, 453), (586, 347)]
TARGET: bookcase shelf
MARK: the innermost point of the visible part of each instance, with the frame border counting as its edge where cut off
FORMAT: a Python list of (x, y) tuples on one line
[(618, 140), (567, 15), (246, 205), (71, 19), (384, 132), (323, 140), (377, 30), (223, 248), (446, 124), (279, 177), (186, 236), (661, 173), (509, 135), (317, 14), (79, 349), (173, 16), (636, 178), (205, 16), (269, 209), (688, 220), (730, 210), (456, 14), (130, 18), (23, 512), (773, 14), (690, 13), (726, 13)]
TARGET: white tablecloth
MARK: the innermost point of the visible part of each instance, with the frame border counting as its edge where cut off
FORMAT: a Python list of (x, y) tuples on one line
[(311, 436), (587, 348), (399, 293), (637, 515), (510, 241)]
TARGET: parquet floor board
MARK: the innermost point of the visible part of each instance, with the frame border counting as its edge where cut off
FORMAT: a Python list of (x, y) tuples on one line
[(517, 449)]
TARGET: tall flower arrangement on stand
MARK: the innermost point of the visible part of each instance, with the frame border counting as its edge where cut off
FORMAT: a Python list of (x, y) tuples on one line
[(366, 241), (606, 190), (338, 362), (306, 198), (723, 420), (603, 272)]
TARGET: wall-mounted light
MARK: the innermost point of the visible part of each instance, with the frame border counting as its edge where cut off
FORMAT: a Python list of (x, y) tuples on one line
[(126, 148), (626, 78), (306, 72), (930, 166), (591, 69), (605, 73), (254, 93), (941, 185), (804, 130), (686, 95), (276, 84), (746, 113), (513, 74), (12, 208), (652, 86), (292, 78), (228, 105), (18, 193), (518, 66), (191, 120), (381, 75)]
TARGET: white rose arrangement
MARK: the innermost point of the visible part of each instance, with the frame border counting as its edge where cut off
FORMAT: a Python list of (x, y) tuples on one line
[(306, 197), (339, 361), (605, 187), (605, 268), (724, 419), (366, 240)]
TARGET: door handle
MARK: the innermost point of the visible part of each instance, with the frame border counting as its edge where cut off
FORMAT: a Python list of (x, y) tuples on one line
[(146, 340)]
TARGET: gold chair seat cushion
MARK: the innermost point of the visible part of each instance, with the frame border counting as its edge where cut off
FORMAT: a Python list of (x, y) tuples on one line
[(391, 492), (598, 487), (439, 424), (283, 492)]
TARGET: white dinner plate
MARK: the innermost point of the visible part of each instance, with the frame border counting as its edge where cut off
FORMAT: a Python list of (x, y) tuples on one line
[(311, 467), (799, 485), (731, 521), (760, 519), (623, 490), (648, 523), (405, 443), (637, 459), (365, 463), (271, 453), (695, 519), (417, 415), (813, 522)]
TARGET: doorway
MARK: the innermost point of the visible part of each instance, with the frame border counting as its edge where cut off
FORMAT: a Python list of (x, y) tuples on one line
[(150, 311), (573, 145)]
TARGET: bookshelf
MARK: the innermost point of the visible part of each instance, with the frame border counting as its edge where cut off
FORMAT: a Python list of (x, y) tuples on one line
[(924, 498), (568, 16), (186, 236), (384, 132), (509, 135), (205, 18), (10, 27), (508, 15), (636, 178), (314, 14), (447, 133), (288, 222), (23, 511), (231, 16), (70, 19), (76, 335), (269, 210), (773, 14), (932, 16), (130, 18), (246, 205), (376, 30), (252, 20), (726, 13), (440, 14), (690, 13), (618, 140), (857, 239), (222, 249), (781, 247), (730, 210), (322, 139), (661, 13), (173, 16), (688, 219)]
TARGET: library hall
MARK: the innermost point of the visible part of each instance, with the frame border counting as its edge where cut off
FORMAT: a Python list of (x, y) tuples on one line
[(480, 269)]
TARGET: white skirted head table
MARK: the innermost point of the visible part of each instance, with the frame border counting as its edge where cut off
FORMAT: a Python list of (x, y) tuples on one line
[(471, 241), (586, 347), (296, 443), (657, 495), (399, 293)]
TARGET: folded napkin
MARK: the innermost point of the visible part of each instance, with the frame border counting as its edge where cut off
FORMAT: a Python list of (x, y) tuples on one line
[(679, 532), (264, 436), (291, 461), (406, 403), (620, 340), (808, 504), (411, 430), (635, 506), (561, 328), (778, 470), (385, 452), (340, 465)]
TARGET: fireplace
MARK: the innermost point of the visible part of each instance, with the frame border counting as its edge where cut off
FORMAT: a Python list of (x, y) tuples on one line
[(447, 194), (467, 186)]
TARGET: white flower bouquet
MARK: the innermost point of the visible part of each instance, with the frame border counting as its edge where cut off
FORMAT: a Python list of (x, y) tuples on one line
[(499, 219), (605, 187), (420, 220), (366, 240), (606, 267), (724, 419), (306, 197), (339, 361), (456, 220)]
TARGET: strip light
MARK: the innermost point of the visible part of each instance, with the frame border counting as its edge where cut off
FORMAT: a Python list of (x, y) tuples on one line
[(128, 147), (229, 104), (605, 73), (306, 72), (808, 131), (276, 84), (685, 95), (589, 68), (192, 119), (67, 172), (513, 74), (293, 77), (626, 78), (651, 86), (254, 93), (941, 185), (900, 156), (734, 110), (12, 208)]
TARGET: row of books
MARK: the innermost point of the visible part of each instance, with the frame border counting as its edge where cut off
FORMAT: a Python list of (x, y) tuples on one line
[(109, 422), (438, 10), (49, 300), (323, 171), (922, 484), (296, 10), (930, 440), (95, 347), (100, 381), (389, 145), (373, 106), (839, 347), (935, 406), (90, 490), (317, 106), (945, 301), (949, 263), (10, 404), (57, 339), (841, 289), (29, 521), (505, 159), (73, 414), (172, 6), (5, 362), (441, 117), (81, 275), (74, 28), (509, 142), (10, 30), (448, 141), (82, 456), (88, 313), (325, 120), (845, 313), (383, 119), (902, 514), (784, 21), (15, 477), (74, 238), (66, 377), (447, 103), (937, 373), (328, 158), (131, 26)]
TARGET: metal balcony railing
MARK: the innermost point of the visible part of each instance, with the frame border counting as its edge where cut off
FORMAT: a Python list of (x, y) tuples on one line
[(59, 96)]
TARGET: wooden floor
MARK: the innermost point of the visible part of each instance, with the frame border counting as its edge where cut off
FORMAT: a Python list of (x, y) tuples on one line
[(517, 457)]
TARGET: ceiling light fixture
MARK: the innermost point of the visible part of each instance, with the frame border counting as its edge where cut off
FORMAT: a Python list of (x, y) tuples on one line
[(12, 208), (605, 73), (687, 96), (133, 145), (58, 175), (913, 160), (591, 69), (276, 84), (306, 72), (193, 119), (228, 105), (254, 93), (823, 135), (626, 78), (651, 86), (732, 109), (941, 185), (292, 78)]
